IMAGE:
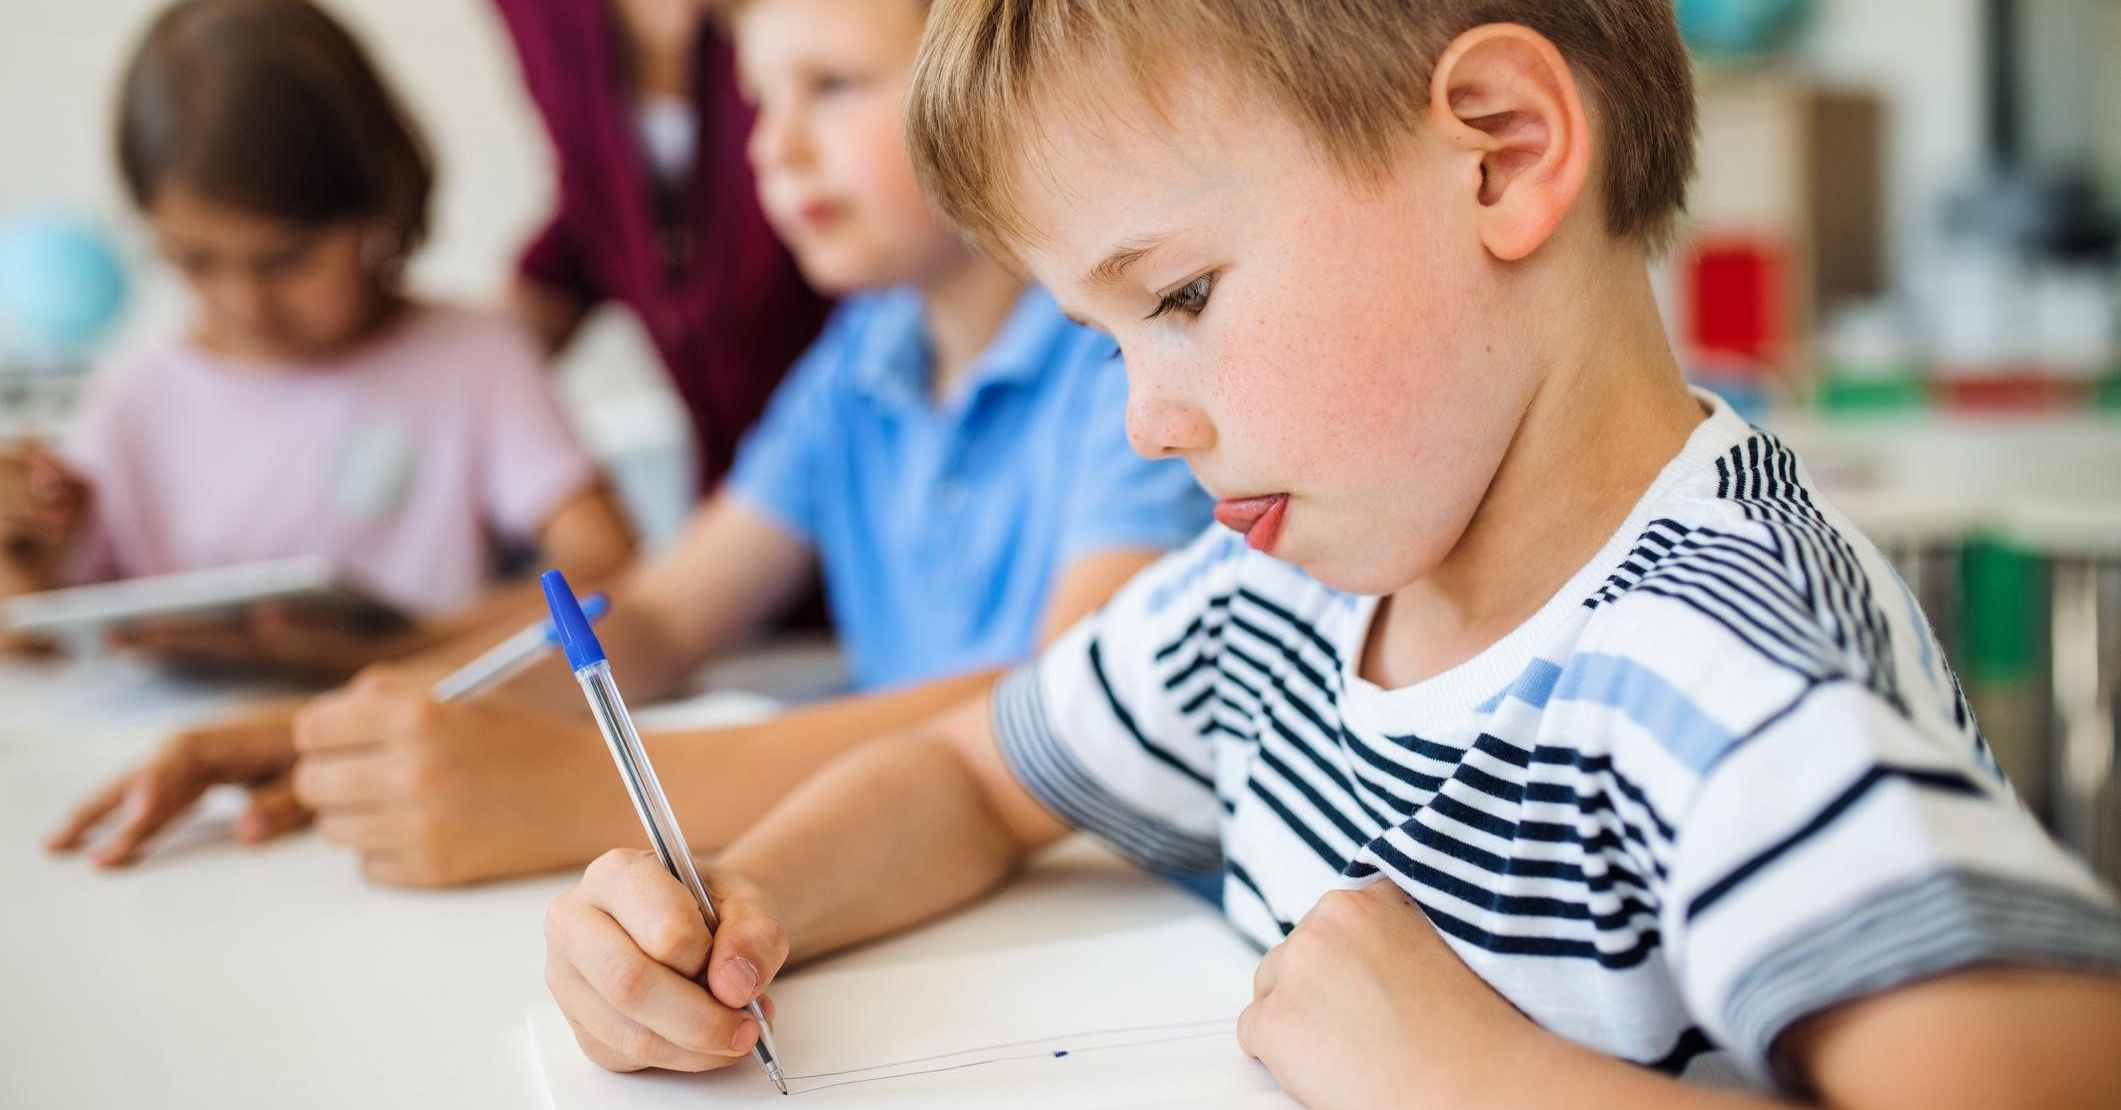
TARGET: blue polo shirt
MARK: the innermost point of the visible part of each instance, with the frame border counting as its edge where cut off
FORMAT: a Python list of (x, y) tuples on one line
[(943, 527)]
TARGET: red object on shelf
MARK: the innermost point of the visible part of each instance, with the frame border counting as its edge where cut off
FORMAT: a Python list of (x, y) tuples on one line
[(1737, 299), (2011, 390)]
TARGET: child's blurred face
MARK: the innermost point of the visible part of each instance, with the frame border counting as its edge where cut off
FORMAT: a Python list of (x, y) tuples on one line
[(829, 78), (1325, 356), (266, 289), (666, 24)]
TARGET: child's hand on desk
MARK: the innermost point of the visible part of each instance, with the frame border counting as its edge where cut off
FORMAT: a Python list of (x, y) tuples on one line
[(435, 795), (254, 751), (1365, 1005), (625, 952)]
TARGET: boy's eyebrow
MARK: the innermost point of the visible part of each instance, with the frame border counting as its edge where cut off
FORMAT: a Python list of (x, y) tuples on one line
[(1108, 273)]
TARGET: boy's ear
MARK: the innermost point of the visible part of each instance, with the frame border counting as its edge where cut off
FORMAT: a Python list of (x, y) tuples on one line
[(1503, 96)]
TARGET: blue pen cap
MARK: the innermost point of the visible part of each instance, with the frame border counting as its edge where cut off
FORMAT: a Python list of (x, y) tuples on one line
[(594, 607), (576, 638)]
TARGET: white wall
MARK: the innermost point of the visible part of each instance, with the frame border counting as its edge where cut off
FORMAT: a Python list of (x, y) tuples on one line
[(1924, 56)]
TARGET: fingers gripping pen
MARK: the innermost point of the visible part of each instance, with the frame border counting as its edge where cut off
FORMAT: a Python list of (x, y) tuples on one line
[(586, 656)]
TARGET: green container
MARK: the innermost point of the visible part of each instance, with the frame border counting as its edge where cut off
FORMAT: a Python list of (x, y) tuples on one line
[(2003, 650), (1858, 396), (2107, 394), (2003, 612)]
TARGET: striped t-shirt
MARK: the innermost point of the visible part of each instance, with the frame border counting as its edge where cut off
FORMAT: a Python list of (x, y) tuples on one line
[(1722, 780)]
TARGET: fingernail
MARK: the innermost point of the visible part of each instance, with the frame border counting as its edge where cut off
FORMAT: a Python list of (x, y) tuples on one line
[(747, 976), (747, 1034)]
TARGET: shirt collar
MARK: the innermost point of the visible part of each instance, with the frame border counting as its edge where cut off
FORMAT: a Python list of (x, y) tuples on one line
[(893, 356)]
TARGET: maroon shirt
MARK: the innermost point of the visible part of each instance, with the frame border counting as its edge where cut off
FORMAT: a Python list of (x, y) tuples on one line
[(717, 292)]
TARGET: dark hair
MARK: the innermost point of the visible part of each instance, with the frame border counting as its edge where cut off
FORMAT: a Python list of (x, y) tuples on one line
[(271, 106)]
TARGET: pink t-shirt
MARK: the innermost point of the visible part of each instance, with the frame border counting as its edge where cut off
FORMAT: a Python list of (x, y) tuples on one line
[(403, 462)]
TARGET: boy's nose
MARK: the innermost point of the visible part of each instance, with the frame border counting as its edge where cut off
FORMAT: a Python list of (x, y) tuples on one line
[(242, 300), (776, 143), (1161, 427)]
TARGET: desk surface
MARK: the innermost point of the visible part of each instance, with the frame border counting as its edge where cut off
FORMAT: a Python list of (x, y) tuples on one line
[(215, 974), (2050, 483)]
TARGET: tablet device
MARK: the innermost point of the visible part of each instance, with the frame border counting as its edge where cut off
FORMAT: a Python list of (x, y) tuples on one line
[(310, 586)]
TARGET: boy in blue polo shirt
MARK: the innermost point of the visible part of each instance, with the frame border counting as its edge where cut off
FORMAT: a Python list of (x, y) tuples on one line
[(951, 453), (941, 523)]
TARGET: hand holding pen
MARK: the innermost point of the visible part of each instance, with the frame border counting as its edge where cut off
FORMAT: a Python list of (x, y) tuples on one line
[(258, 749), (735, 978)]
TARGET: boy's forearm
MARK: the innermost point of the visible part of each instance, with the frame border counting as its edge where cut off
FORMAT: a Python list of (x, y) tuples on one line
[(1992, 1039), (888, 836), (722, 781), (1566, 1074)]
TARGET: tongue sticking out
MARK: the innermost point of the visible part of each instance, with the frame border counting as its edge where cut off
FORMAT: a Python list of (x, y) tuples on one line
[(1258, 519)]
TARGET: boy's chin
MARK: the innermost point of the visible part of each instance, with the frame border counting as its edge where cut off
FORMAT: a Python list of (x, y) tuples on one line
[(839, 273), (1353, 565)]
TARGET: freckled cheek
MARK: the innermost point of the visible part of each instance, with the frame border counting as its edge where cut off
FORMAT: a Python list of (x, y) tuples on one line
[(1300, 405)]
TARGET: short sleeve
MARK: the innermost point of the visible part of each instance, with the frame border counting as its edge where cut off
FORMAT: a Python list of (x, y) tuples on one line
[(1840, 851), (778, 468), (1120, 499), (1090, 730), (533, 463)]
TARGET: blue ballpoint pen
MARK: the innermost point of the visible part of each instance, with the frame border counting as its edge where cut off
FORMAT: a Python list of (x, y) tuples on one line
[(511, 656), (593, 671)]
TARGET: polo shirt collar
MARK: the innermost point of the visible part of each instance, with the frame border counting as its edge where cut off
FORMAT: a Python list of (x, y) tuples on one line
[(894, 357)]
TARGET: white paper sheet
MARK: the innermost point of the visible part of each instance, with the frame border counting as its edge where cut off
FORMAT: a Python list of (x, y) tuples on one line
[(1145, 1017)]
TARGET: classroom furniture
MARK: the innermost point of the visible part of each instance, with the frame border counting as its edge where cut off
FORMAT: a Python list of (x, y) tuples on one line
[(1785, 219), (219, 975)]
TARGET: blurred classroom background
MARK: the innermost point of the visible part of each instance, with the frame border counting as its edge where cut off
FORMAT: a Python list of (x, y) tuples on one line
[(1902, 257)]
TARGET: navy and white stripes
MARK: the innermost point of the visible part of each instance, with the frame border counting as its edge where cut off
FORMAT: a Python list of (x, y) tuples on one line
[(1645, 818), (1037, 759)]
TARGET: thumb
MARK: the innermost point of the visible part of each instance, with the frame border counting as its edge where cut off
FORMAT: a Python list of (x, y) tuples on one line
[(273, 810), (749, 950)]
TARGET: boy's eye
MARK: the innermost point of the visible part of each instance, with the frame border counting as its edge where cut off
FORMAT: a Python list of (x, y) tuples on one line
[(1190, 298), (828, 84)]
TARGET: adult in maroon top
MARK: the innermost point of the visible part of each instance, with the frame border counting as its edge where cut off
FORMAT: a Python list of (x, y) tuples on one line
[(684, 246)]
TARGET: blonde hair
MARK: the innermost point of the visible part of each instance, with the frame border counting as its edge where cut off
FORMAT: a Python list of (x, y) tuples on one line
[(1353, 74)]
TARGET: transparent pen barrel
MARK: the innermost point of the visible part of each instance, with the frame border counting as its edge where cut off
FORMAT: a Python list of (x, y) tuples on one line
[(649, 801), (653, 807)]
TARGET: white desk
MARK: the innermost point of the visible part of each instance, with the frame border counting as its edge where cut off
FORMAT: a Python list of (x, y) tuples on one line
[(219, 975)]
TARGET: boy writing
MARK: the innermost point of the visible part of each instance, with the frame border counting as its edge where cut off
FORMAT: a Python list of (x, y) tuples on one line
[(1559, 740)]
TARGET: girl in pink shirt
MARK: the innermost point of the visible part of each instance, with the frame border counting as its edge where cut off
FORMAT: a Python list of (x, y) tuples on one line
[(311, 408)]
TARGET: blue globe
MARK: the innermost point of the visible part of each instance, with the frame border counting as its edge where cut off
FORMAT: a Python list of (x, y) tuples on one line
[(62, 284), (1740, 27)]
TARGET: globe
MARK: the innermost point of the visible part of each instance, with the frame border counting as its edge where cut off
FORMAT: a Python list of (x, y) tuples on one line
[(1740, 28), (62, 284)]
